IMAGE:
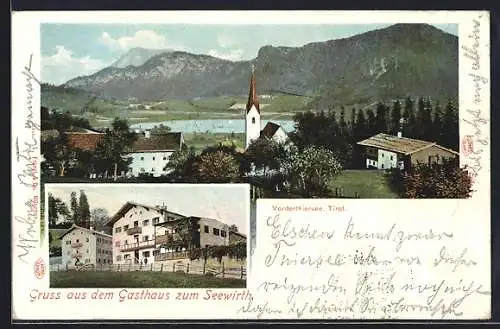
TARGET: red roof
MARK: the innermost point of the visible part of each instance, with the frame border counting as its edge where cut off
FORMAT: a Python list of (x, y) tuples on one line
[(252, 95), (84, 141)]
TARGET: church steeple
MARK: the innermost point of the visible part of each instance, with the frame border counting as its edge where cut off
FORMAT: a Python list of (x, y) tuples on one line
[(252, 95)]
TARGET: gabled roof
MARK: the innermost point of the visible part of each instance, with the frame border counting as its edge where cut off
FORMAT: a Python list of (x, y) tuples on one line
[(252, 95), (86, 141), (129, 205), (82, 228), (269, 130), (157, 142), (401, 145)]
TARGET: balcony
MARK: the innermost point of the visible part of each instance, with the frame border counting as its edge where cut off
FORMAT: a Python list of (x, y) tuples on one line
[(172, 256), (76, 245), (163, 239), (137, 245), (134, 230)]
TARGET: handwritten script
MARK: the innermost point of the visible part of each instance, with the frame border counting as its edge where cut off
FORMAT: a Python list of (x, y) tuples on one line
[(340, 266), (474, 117), (27, 150)]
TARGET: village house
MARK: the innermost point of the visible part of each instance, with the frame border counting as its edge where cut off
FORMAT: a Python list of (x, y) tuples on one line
[(82, 246), (145, 234), (84, 139), (384, 151), (151, 152)]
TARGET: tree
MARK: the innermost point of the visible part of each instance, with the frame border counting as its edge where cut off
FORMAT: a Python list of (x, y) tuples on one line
[(437, 180), (450, 127), (264, 154), (360, 128), (409, 119), (160, 129), (115, 142), (84, 210), (343, 129), (381, 119), (395, 117), (180, 165), (99, 218), (310, 171), (218, 167), (56, 208), (57, 152), (437, 125), (371, 124), (75, 211)]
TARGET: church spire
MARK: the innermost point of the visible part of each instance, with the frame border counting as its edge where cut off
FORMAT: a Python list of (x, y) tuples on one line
[(252, 95)]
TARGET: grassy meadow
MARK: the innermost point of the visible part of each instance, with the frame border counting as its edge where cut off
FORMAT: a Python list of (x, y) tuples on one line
[(90, 279), (369, 184)]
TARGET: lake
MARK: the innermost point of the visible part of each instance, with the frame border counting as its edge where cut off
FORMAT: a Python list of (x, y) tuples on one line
[(211, 125)]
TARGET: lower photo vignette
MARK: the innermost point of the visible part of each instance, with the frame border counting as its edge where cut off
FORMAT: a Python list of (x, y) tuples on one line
[(148, 236)]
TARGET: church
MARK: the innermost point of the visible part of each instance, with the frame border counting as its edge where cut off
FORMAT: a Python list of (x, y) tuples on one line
[(253, 120)]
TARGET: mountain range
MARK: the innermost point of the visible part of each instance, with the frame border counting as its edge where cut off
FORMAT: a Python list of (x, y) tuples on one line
[(398, 61)]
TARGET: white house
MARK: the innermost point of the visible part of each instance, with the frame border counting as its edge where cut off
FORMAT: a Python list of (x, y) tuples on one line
[(140, 231), (85, 246), (151, 152), (384, 151)]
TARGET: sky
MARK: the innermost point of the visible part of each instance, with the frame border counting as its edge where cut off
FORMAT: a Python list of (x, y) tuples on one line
[(227, 203), (71, 50)]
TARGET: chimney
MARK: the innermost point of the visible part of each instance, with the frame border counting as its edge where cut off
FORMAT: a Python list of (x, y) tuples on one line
[(147, 133)]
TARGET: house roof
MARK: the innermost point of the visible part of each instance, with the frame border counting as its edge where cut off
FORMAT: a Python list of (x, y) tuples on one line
[(401, 145), (252, 95), (129, 205), (86, 141), (269, 130), (157, 142), (82, 228), (238, 233)]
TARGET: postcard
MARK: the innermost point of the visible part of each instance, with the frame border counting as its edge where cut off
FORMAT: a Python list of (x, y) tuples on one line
[(227, 165)]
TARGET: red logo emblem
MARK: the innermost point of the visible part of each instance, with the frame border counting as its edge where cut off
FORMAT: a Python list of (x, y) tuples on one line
[(39, 268), (467, 145)]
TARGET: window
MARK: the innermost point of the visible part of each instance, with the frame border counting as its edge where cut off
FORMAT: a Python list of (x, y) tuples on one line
[(77, 240), (216, 231), (156, 252), (136, 223), (392, 157), (253, 120), (145, 254), (127, 256), (206, 229), (98, 260), (87, 239), (223, 233), (118, 258), (382, 155), (154, 158), (125, 227), (142, 158), (98, 239), (68, 241), (152, 169), (164, 158), (145, 222), (126, 241), (118, 230), (145, 238), (117, 243), (156, 220), (382, 166)]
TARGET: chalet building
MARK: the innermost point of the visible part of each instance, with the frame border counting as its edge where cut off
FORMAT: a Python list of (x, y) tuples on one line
[(146, 234), (86, 247), (150, 153), (253, 120), (384, 151)]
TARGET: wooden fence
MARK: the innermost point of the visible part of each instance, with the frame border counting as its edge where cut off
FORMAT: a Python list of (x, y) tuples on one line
[(219, 271)]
